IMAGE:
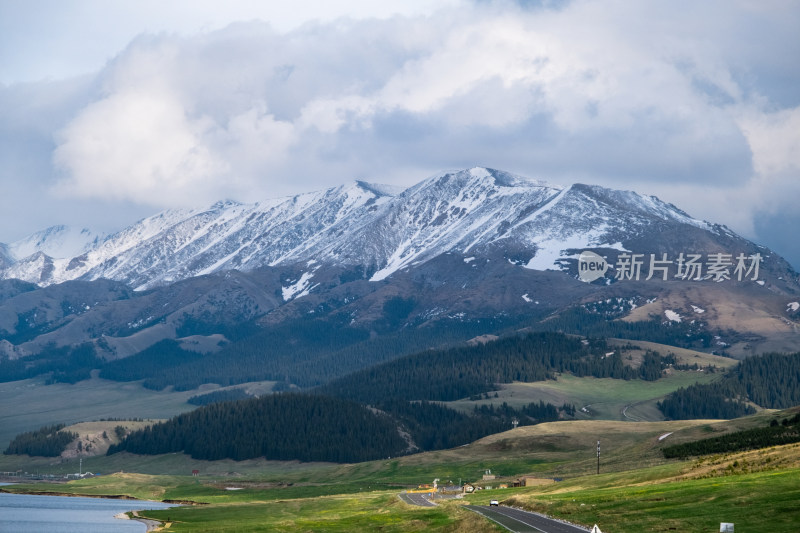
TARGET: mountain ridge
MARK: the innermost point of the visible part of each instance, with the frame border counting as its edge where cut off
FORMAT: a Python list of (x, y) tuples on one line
[(361, 224), (467, 245)]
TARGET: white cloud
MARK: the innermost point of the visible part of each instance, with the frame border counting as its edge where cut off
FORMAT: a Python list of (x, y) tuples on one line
[(139, 146), (41, 39), (696, 103), (774, 139)]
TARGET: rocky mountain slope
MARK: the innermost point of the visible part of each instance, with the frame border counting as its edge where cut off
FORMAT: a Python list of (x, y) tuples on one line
[(459, 245), (471, 212)]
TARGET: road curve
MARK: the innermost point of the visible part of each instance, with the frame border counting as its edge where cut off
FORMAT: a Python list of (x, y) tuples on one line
[(417, 498), (520, 521)]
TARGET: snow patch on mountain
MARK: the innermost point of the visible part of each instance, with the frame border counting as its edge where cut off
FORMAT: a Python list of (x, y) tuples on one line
[(551, 252), (545, 208), (299, 288), (380, 189), (617, 246), (399, 258)]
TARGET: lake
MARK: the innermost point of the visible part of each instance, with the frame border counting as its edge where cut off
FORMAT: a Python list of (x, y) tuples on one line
[(23, 513)]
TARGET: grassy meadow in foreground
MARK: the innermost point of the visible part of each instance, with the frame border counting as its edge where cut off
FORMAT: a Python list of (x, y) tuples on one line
[(637, 490), (761, 502)]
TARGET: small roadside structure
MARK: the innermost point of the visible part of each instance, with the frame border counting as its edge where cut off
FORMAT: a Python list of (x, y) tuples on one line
[(532, 481)]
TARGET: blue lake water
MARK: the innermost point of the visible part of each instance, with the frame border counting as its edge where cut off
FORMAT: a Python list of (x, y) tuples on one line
[(23, 513)]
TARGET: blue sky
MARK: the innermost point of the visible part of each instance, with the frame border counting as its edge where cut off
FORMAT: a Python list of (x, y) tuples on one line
[(113, 110)]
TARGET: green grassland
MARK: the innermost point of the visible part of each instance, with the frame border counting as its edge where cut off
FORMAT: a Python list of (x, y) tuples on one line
[(637, 489), (757, 502), (683, 355), (761, 502), (30, 404), (380, 511), (611, 399), (550, 449), (606, 399), (602, 398)]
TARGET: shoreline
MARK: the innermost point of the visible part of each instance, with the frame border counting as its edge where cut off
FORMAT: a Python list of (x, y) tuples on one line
[(74, 495), (99, 496), (132, 514), (150, 524)]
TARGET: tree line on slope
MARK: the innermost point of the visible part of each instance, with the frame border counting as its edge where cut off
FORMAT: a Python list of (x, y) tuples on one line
[(776, 434), (771, 381), (532, 413), (312, 427), (48, 441), (432, 426), (593, 323), (285, 426), (65, 364), (277, 426), (224, 395), (451, 374), (419, 381), (711, 400)]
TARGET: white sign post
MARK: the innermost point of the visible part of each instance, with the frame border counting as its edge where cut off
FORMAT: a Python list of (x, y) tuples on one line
[(725, 527)]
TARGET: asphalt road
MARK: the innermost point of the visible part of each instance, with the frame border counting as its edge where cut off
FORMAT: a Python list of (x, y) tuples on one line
[(523, 521), (417, 499)]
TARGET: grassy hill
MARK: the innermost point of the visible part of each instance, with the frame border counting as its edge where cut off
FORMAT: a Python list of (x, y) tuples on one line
[(637, 489), (30, 404), (602, 398)]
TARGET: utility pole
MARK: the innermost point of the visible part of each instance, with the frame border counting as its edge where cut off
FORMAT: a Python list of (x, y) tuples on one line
[(598, 457)]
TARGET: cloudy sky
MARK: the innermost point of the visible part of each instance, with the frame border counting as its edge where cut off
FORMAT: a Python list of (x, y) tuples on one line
[(114, 110)]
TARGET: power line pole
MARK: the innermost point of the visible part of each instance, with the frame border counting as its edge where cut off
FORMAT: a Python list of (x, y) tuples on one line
[(598, 457)]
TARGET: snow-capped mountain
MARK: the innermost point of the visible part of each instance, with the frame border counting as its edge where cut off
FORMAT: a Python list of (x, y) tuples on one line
[(5, 257), (479, 209), (465, 245), (55, 241), (179, 244), (31, 258), (471, 212)]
